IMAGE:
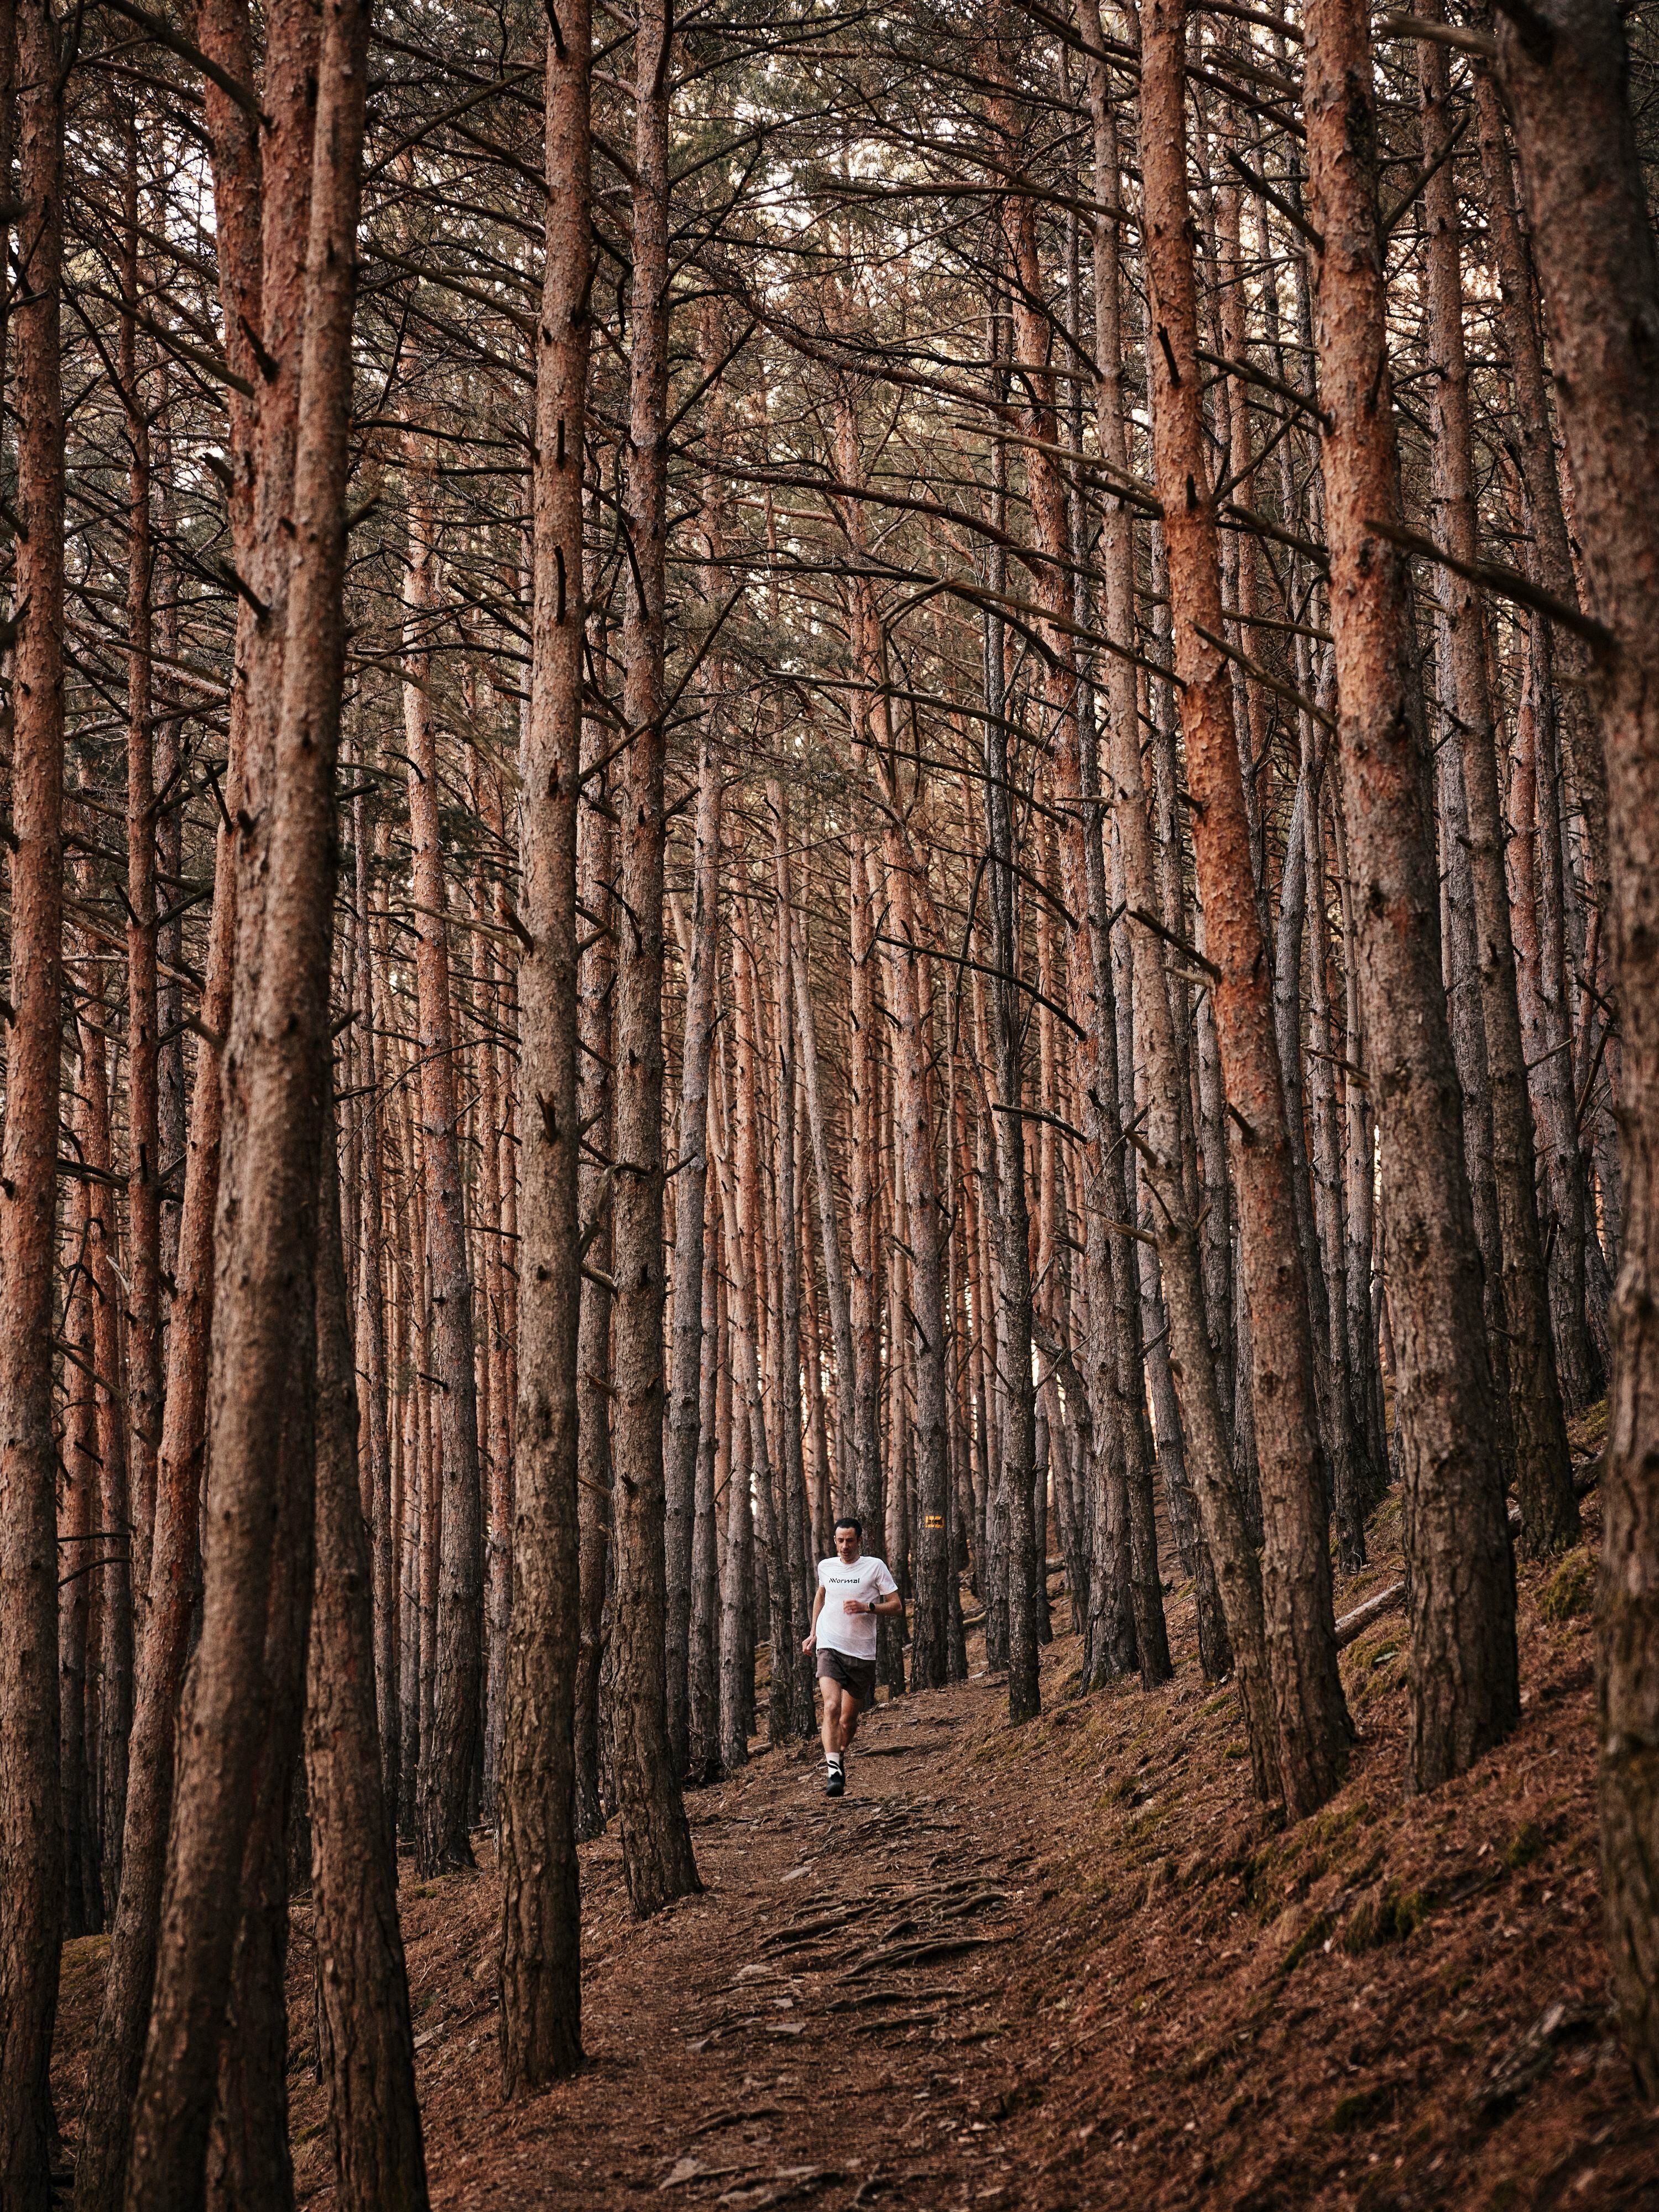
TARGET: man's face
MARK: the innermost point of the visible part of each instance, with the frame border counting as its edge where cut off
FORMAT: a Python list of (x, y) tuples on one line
[(847, 1544)]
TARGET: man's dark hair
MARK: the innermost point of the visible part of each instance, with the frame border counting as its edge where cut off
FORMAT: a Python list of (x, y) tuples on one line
[(850, 1520)]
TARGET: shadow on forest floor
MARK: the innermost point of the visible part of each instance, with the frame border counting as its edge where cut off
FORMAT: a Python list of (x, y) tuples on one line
[(1070, 1966)]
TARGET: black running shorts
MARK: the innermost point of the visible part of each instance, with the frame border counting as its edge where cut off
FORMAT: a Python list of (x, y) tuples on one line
[(858, 1675)]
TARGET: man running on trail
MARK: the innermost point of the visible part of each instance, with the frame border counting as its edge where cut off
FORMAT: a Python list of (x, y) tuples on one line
[(852, 1591)]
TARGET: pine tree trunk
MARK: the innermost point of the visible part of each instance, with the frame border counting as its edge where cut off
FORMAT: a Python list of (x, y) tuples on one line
[(262, 454), (30, 1896), (267, 1255), (792, 1473), (1354, 1482), (1549, 1051), (745, 1237), (1546, 549), (449, 1754), (541, 1909), (1464, 1688), (1461, 961), (144, 1257), (367, 2051), (595, 1111), (412, 1622), (656, 1841), (1120, 698), (929, 1348), (248, 2160), (864, 1301), (370, 1339), (1204, 1431), (704, 1760), (1007, 1204), (1567, 702), (1543, 1469), (79, 1551), (820, 1486), (830, 1234), (685, 1390), (1310, 1711), (736, 1652), (113, 2061), (115, 1587), (1564, 72)]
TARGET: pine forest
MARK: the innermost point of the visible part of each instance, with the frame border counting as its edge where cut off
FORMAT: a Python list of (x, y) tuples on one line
[(830, 1148)]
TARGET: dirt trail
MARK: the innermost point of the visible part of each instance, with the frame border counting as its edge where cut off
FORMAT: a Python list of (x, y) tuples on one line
[(823, 2022)]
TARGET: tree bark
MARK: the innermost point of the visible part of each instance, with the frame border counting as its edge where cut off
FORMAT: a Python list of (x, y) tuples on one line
[(1548, 552), (115, 1582), (792, 1473), (366, 2046), (144, 1300), (541, 1907), (1543, 1467), (864, 1301), (375, 1443), (829, 1236), (929, 1654), (691, 1180), (1311, 1715), (737, 1642), (258, 454), (79, 1554), (595, 1199), (657, 1855), (1205, 1434), (117, 2050), (267, 1248), (703, 1759), (1463, 1686), (745, 1237), (1564, 70), (449, 1752), (31, 1897)]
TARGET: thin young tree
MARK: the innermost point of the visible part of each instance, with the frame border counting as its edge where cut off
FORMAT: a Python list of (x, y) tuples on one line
[(449, 1749), (687, 1351)]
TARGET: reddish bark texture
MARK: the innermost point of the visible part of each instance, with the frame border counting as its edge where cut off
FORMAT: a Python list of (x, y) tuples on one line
[(1312, 1716), (31, 1895), (541, 1925), (1564, 67), (656, 1840), (1464, 1688), (268, 1251)]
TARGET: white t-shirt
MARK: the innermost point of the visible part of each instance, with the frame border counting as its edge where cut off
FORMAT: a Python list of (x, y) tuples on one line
[(853, 1634)]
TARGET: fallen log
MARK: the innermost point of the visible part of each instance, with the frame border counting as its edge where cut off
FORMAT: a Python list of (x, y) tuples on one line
[(1354, 1624)]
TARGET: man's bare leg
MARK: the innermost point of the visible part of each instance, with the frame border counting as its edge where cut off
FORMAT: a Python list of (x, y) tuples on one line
[(849, 1721), (829, 1732)]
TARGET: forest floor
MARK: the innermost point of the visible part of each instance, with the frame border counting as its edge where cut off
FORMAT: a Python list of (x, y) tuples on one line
[(1070, 1966)]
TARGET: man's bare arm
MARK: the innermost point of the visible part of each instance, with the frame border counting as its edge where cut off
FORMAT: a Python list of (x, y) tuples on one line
[(812, 1635)]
